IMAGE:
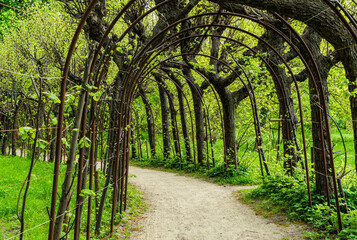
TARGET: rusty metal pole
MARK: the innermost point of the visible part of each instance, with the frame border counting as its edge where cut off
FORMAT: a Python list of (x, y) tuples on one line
[(125, 161), (60, 119), (91, 170), (79, 203), (353, 33)]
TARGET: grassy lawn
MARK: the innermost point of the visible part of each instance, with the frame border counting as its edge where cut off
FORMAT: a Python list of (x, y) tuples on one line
[(13, 172)]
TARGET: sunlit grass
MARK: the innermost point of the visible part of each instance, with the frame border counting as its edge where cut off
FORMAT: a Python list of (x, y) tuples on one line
[(13, 172)]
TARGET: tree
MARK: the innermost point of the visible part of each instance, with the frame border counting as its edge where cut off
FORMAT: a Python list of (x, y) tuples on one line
[(327, 24)]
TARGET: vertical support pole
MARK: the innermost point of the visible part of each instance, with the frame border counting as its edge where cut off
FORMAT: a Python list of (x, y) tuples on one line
[(60, 118), (91, 164), (79, 200)]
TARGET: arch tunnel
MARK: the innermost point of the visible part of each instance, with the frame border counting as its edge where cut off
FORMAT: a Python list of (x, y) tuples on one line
[(227, 52)]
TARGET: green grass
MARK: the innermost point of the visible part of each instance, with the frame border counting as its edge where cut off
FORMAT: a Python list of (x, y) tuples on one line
[(136, 207), (13, 171)]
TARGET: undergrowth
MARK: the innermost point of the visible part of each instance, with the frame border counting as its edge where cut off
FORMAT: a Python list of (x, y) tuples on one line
[(241, 175), (135, 208), (289, 195)]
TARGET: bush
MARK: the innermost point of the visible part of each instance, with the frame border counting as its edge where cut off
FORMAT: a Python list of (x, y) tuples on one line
[(291, 195), (231, 175)]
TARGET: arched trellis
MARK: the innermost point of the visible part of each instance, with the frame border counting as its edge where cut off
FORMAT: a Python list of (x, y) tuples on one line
[(130, 85), (266, 63)]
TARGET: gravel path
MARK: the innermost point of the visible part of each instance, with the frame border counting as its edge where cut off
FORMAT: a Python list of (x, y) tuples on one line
[(186, 208)]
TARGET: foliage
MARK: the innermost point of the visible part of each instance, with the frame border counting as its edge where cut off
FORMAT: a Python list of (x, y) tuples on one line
[(158, 162), (35, 41), (231, 175), (290, 195), (241, 175), (11, 11)]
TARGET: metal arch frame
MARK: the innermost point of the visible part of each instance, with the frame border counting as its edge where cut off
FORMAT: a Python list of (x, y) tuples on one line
[(63, 89), (126, 113), (311, 75), (194, 36), (209, 25)]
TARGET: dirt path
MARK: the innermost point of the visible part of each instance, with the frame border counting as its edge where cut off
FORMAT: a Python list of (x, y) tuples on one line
[(190, 209)]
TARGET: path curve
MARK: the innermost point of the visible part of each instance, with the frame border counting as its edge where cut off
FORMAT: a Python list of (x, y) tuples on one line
[(186, 208)]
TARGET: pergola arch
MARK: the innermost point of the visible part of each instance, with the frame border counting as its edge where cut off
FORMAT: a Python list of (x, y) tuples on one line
[(140, 68)]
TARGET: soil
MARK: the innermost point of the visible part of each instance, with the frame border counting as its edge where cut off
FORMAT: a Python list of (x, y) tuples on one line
[(187, 208)]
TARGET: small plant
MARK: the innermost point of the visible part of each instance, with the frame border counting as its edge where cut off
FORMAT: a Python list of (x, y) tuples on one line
[(231, 175), (290, 196)]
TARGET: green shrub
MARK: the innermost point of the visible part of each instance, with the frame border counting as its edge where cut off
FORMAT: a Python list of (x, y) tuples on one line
[(231, 175), (291, 195)]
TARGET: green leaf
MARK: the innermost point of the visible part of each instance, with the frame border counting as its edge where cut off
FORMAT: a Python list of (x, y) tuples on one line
[(87, 192), (65, 142), (41, 144), (90, 87), (26, 128), (25, 131), (84, 142), (53, 97), (54, 121)]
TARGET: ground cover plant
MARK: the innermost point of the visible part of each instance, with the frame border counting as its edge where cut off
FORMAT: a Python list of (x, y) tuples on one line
[(285, 195), (219, 174)]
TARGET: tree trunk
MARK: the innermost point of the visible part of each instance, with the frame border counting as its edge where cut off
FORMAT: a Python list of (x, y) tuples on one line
[(114, 116), (40, 124), (134, 154), (184, 126), (150, 122), (286, 105), (5, 138), (184, 122), (199, 117), (228, 108), (353, 104), (99, 215), (318, 155), (165, 121), (54, 137), (175, 133), (14, 126)]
